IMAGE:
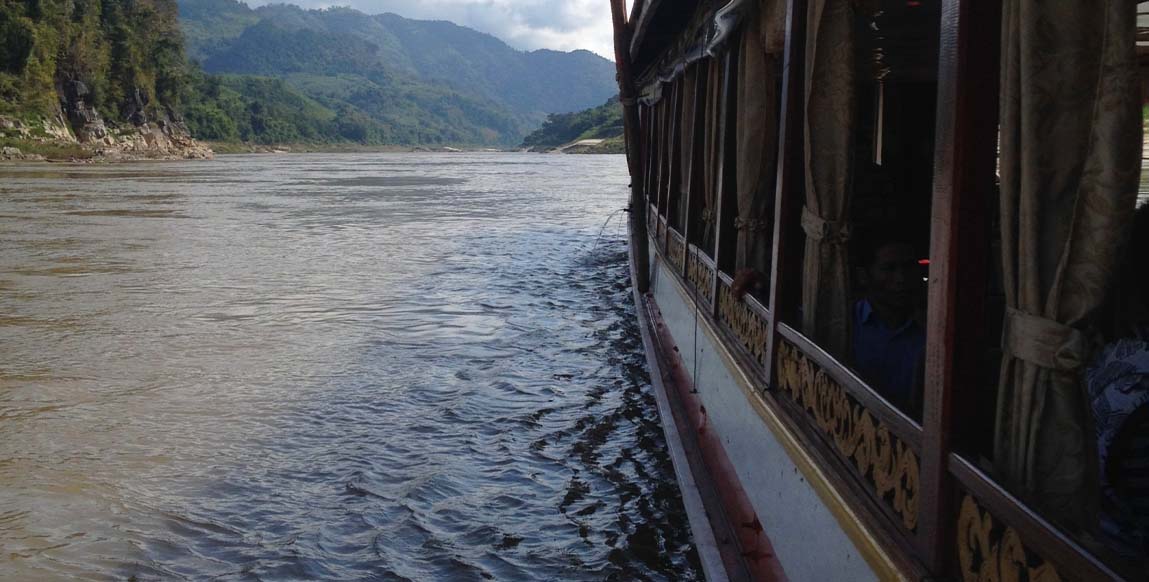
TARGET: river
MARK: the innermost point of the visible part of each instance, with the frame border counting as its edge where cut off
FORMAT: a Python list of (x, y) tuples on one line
[(337, 367)]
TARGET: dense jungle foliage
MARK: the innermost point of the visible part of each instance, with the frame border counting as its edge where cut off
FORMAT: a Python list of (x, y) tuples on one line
[(604, 121), (127, 53), (281, 74)]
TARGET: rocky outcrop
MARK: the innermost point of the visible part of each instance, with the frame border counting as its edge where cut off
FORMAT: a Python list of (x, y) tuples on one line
[(78, 123), (81, 115), (8, 153)]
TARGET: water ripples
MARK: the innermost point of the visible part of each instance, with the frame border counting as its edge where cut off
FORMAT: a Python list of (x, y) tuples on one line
[(392, 367)]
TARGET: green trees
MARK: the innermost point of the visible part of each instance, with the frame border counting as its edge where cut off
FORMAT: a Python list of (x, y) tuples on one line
[(604, 121), (127, 54)]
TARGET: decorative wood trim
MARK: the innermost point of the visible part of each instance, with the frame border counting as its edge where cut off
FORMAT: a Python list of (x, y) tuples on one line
[(676, 250), (700, 274), (748, 325), (990, 552), (902, 426), (1030, 543), (884, 461)]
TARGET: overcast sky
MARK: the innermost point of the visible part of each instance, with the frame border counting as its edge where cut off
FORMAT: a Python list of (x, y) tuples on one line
[(524, 24)]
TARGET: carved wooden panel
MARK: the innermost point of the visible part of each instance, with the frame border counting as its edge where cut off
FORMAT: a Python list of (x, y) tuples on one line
[(991, 552), (888, 465), (701, 276), (675, 250), (747, 325)]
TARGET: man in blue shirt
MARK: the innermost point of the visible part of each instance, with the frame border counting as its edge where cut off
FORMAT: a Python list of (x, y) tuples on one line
[(889, 344)]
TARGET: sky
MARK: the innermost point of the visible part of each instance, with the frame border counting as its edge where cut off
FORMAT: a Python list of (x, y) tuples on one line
[(524, 24)]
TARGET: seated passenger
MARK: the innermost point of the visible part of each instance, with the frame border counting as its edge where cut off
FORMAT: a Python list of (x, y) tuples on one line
[(889, 344), (1117, 382)]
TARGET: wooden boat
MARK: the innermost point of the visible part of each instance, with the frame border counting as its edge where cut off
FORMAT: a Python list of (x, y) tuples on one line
[(762, 137)]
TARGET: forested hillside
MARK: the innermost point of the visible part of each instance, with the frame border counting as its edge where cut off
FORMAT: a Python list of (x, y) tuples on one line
[(127, 53), (227, 36), (115, 74), (107, 70), (602, 122)]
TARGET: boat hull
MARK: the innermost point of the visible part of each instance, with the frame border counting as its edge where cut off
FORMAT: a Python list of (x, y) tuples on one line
[(781, 516)]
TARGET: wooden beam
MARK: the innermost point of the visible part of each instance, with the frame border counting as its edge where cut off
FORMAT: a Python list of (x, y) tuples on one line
[(669, 189), (723, 182), (689, 198), (790, 188), (964, 160), (638, 237)]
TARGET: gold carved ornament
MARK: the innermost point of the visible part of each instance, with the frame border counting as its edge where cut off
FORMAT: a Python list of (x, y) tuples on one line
[(749, 327), (676, 251), (987, 558), (700, 275), (883, 459)]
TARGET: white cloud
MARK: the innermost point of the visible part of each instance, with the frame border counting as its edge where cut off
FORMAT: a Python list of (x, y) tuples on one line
[(524, 24)]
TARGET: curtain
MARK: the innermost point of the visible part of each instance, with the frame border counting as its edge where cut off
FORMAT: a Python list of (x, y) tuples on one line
[(756, 134), (830, 120), (687, 148), (713, 106), (666, 106), (1070, 162), (674, 151)]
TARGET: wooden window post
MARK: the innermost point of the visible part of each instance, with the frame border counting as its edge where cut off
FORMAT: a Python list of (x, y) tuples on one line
[(790, 188), (964, 158)]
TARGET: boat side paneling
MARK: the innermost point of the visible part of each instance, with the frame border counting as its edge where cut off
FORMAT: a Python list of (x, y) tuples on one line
[(812, 540)]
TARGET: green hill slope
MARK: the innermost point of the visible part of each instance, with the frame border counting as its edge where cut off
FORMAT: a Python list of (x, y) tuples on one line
[(106, 72), (602, 122), (529, 84)]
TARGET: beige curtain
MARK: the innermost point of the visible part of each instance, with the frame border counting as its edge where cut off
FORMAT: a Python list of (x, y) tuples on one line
[(1070, 145), (687, 148), (665, 146), (714, 80), (674, 149), (757, 134), (659, 152), (830, 119)]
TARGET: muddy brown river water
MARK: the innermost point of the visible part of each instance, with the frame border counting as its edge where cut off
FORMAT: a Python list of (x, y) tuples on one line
[(327, 367)]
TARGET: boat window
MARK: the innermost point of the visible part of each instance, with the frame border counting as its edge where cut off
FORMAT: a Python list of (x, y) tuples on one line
[(706, 82), (663, 107), (752, 149), (1065, 368), (711, 110), (678, 169), (869, 128)]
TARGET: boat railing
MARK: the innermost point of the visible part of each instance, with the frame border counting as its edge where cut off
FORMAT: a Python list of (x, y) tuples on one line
[(871, 447)]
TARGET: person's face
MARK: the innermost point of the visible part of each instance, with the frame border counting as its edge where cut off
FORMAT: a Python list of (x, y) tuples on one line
[(893, 276)]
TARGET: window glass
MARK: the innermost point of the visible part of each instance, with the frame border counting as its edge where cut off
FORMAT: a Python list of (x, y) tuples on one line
[(1064, 380), (870, 122)]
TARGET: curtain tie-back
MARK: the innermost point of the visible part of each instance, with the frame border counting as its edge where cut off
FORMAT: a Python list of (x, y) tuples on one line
[(818, 228), (751, 224), (707, 215), (1043, 342)]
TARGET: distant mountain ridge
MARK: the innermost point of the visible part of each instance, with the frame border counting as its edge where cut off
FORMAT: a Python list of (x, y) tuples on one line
[(227, 36)]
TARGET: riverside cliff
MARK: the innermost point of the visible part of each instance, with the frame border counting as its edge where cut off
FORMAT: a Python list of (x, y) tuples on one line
[(93, 78)]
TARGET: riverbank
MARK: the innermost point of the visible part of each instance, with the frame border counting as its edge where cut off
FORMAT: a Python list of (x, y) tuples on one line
[(54, 140)]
